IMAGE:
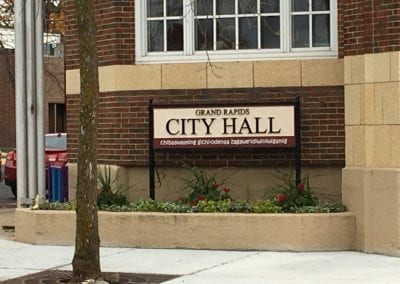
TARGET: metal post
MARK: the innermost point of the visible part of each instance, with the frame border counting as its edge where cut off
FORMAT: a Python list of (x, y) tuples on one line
[(151, 153), (29, 100), (41, 174), (20, 100), (298, 140), (31, 97)]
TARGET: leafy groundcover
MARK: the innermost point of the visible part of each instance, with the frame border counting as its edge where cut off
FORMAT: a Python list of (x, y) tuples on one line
[(207, 206)]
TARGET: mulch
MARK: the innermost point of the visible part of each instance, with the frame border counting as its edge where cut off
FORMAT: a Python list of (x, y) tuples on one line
[(60, 276)]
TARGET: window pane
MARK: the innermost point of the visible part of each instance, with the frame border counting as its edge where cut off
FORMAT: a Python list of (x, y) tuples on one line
[(204, 34), (174, 7), (225, 7), (300, 34), (247, 6), (270, 32), (321, 30), (269, 6), (155, 8), (248, 33), (155, 36), (52, 118), (226, 34), (320, 5), (300, 5), (174, 35), (204, 7)]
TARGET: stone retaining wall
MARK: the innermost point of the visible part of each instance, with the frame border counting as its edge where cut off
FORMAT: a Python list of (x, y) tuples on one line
[(225, 231)]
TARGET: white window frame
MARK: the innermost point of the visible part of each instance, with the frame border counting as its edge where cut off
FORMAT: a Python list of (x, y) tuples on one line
[(190, 55)]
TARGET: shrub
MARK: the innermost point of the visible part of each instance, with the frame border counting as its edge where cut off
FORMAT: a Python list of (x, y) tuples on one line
[(110, 191), (292, 194), (203, 187)]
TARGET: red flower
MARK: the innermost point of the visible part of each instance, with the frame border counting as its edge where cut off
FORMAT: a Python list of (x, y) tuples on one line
[(300, 187), (192, 203), (282, 198), (182, 199), (227, 189), (201, 198), (214, 185)]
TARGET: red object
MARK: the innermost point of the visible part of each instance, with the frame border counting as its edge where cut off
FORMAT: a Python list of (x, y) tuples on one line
[(56, 155), (215, 185), (282, 198), (227, 189), (201, 198), (192, 203), (300, 187)]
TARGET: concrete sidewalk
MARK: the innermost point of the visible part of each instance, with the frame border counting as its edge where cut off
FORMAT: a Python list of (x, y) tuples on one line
[(205, 266)]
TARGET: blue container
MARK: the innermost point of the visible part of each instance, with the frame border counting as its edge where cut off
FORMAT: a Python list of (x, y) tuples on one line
[(58, 183)]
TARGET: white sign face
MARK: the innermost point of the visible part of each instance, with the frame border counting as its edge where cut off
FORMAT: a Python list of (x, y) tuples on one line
[(224, 127)]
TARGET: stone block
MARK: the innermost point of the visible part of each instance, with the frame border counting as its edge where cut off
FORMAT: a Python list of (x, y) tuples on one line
[(395, 141), (130, 77), (349, 154), (347, 70), (230, 75), (184, 76), (326, 72), (359, 158), (382, 151), (72, 82), (390, 95), (352, 100), (277, 73), (377, 67), (357, 69), (395, 66)]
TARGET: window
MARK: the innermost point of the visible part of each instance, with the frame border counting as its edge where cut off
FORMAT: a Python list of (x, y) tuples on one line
[(56, 118), (199, 30)]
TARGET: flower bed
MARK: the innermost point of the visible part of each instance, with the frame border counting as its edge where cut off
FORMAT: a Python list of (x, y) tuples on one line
[(238, 231)]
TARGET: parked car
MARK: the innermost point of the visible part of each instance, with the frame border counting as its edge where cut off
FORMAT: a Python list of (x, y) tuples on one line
[(56, 154)]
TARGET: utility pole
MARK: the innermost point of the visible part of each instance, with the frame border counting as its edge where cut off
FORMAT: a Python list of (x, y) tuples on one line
[(29, 110)]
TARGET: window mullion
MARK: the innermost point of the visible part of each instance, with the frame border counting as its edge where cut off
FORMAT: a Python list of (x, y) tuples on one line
[(286, 24), (214, 25), (165, 24), (310, 20), (189, 34), (333, 24), (236, 25), (258, 25)]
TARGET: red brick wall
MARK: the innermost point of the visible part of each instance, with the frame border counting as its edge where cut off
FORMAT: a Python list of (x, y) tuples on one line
[(7, 100), (363, 27), (115, 33), (53, 91), (368, 26), (123, 126)]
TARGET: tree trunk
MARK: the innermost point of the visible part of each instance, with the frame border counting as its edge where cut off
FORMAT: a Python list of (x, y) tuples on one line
[(86, 261)]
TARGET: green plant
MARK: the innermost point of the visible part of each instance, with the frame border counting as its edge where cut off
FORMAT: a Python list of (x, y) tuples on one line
[(266, 206), (70, 205), (203, 187), (322, 207), (110, 191), (205, 206), (293, 194)]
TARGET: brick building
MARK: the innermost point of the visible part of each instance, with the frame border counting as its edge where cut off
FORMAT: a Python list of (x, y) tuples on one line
[(341, 57), (54, 96)]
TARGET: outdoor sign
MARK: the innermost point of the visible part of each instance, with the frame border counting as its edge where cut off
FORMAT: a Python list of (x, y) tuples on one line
[(233, 126), (263, 126)]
